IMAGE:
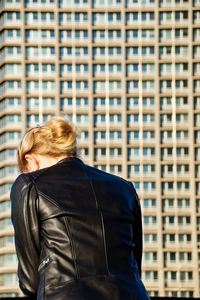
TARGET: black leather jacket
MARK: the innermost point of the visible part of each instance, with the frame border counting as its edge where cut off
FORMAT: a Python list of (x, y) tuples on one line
[(78, 234)]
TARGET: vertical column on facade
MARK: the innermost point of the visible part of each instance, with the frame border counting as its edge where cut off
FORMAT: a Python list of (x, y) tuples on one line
[(158, 158), (90, 84), (74, 75), (23, 79), (191, 112), (107, 91), (174, 140), (140, 102), (57, 59), (161, 282), (123, 91)]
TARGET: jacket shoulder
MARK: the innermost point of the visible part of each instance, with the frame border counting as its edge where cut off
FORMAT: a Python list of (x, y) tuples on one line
[(22, 183), (110, 177)]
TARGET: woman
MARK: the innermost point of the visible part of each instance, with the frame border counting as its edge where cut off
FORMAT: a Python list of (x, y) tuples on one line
[(78, 231)]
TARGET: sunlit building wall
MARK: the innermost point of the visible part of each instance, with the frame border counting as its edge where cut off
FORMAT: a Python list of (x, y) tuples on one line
[(128, 74)]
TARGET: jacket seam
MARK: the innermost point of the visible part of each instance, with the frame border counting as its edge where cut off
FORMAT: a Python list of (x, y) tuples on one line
[(102, 221), (72, 245), (68, 231)]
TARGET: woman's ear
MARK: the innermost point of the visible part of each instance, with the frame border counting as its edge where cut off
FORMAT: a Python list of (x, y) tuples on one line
[(33, 162)]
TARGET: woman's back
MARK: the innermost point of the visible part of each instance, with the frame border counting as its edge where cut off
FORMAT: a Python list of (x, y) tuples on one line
[(86, 225)]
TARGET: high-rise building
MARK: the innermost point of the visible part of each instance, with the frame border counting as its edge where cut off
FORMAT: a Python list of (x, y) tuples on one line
[(127, 72)]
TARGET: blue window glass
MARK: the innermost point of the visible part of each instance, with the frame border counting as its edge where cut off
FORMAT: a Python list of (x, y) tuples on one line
[(102, 50), (69, 68), (85, 101), (118, 16), (51, 16), (69, 50), (10, 50), (11, 84), (135, 16), (11, 152), (9, 15), (69, 33), (36, 68), (136, 168), (103, 134), (18, 15), (110, 51), (144, 16), (10, 32), (127, 17), (102, 68), (78, 68), (61, 51), (11, 135), (69, 83), (136, 134), (78, 85), (69, 101), (144, 67), (43, 16), (11, 101), (151, 49), (135, 33), (110, 34), (137, 185), (85, 51), (152, 134), (135, 50), (44, 85), (145, 185), (94, 34), (102, 34), (118, 67), (77, 17), (145, 168), (60, 17), (144, 50), (110, 17), (85, 67), (85, 17), (118, 34), (118, 50)]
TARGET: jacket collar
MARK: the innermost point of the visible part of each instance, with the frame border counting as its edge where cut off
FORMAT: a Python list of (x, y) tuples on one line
[(69, 159)]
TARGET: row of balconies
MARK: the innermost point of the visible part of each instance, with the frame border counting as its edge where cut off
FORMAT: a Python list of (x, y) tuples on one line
[(100, 4)]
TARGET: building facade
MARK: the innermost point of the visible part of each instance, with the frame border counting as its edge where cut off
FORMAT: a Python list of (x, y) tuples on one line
[(127, 72)]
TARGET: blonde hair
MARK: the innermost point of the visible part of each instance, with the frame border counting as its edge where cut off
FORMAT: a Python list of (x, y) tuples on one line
[(56, 138)]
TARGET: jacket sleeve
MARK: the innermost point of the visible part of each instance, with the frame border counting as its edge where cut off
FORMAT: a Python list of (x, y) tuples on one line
[(137, 230), (24, 201)]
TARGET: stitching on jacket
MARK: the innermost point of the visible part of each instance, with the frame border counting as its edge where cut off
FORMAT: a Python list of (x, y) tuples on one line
[(72, 246), (102, 221), (67, 228)]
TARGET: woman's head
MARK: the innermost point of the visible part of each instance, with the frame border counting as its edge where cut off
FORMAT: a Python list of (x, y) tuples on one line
[(56, 139)]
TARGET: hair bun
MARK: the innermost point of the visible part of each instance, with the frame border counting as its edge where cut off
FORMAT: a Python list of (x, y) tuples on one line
[(60, 128), (56, 138)]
